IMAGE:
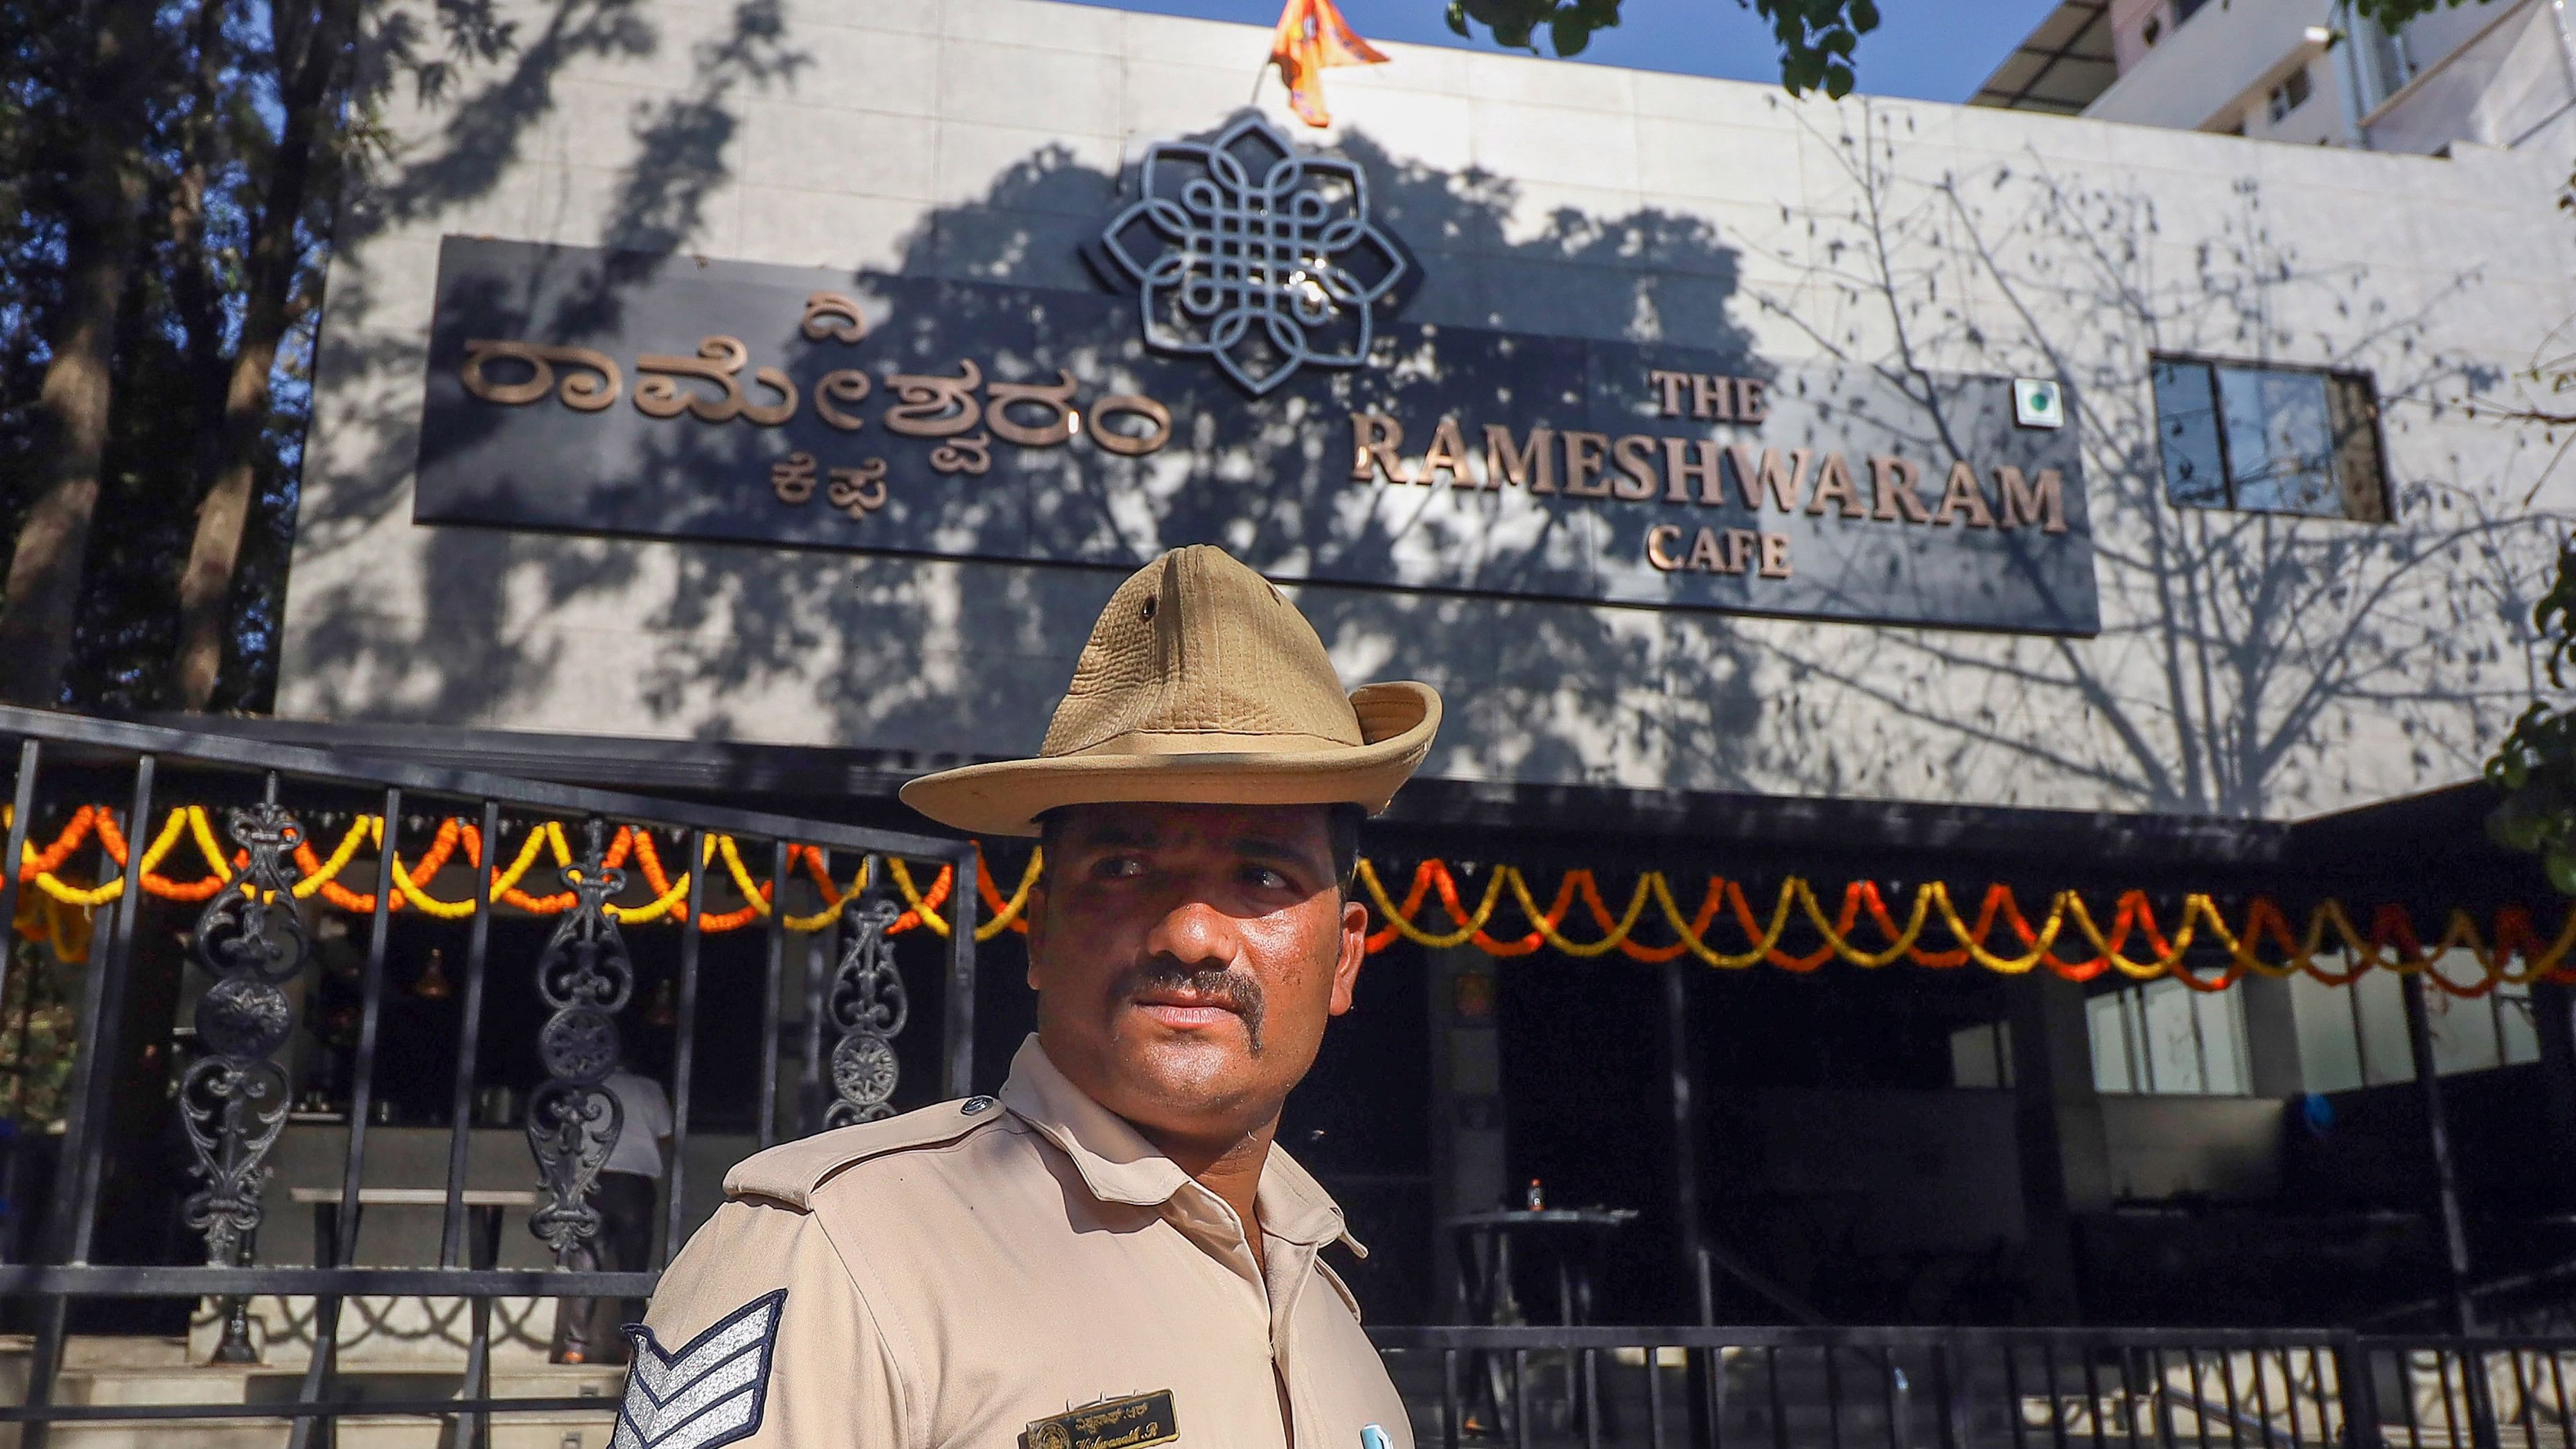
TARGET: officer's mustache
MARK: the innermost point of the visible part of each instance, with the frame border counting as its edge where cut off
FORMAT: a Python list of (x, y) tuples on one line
[(1236, 991)]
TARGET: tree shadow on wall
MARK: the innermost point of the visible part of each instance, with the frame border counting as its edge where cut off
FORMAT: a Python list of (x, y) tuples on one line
[(750, 641), (2250, 664), (1270, 476), (459, 650)]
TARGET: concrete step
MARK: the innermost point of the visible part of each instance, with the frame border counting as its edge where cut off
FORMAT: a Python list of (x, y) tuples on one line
[(228, 1384), (252, 1383), (376, 1328), (236, 1384), (162, 1433), (103, 1350), (516, 1431)]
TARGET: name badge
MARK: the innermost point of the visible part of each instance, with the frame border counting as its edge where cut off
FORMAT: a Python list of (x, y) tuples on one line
[(1129, 1423)]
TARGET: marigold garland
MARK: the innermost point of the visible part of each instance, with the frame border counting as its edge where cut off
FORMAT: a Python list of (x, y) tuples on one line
[(46, 921), (2391, 943), (2134, 945)]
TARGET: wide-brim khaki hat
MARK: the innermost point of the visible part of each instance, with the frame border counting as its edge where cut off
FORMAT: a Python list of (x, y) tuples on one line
[(1201, 684)]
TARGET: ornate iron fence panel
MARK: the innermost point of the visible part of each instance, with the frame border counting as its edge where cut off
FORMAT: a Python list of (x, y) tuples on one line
[(233, 1102), (867, 1005), (574, 1120)]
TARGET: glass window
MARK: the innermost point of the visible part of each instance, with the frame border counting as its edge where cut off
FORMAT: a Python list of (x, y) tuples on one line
[(2289, 95), (2164, 1038), (2187, 427), (2280, 450), (2330, 1043), (1981, 1056), (2269, 439), (2355, 1036)]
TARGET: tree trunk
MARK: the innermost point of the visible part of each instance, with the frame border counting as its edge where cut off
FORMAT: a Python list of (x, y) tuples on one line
[(99, 240), (306, 146), (194, 287)]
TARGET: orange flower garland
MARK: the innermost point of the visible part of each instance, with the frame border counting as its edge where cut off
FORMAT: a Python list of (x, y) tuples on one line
[(2331, 949)]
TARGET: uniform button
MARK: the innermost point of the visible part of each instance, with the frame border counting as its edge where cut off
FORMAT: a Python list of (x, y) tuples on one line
[(975, 1106)]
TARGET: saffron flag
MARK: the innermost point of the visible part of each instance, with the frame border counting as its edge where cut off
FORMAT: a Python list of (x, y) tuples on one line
[(1313, 35)]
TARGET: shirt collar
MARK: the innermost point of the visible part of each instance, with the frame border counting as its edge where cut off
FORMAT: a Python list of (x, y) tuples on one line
[(1118, 1165)]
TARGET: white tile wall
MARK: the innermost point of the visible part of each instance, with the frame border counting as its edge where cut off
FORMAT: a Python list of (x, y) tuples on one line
[(873, 69), (1535, 142), (972, 157), (803, 228), (1002, 84), (1071, 29)]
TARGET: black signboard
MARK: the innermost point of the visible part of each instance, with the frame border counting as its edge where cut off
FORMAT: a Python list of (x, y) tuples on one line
[(669, 396)]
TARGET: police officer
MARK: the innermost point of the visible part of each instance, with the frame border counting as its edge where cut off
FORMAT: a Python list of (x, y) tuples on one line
[(1113, 1254)]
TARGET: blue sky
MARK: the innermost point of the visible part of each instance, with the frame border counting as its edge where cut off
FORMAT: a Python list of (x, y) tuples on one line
[(1935, 50)]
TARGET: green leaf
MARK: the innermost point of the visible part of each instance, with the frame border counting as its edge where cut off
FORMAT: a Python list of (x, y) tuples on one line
[(2560, 863), (2395, 13), (2515, 826), (1818, 39), (2534, 766)]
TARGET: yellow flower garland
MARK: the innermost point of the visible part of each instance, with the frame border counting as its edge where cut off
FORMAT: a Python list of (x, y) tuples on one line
[(2518, 954)]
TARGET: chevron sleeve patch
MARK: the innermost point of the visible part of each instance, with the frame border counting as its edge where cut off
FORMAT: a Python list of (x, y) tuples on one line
[(709, 1393)]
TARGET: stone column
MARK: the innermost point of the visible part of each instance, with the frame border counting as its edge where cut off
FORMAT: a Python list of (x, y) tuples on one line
[(2437, 1147), (2553, 1011), (1681, 1069), (1467, 1164), (2064, 1149)]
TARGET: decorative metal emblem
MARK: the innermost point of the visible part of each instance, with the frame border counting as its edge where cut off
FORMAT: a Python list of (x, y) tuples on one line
[(234, 1100), (867, 1006), (573, 1120), (1250, 253)]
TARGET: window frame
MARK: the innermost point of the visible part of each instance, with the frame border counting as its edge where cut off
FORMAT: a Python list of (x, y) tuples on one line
[(2364, 386)]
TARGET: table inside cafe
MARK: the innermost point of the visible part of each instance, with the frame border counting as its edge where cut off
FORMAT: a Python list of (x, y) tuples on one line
[(1572, 1238)]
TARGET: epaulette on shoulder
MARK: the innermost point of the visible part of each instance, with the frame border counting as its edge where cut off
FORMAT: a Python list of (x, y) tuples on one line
[(790, 1172)]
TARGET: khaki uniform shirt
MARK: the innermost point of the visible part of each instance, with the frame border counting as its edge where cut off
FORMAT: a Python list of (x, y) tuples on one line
[(952, 1276)]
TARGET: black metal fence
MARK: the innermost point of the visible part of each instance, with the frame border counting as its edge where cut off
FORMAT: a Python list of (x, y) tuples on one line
[(247, 932), (1968, 1388), (249, 941)]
